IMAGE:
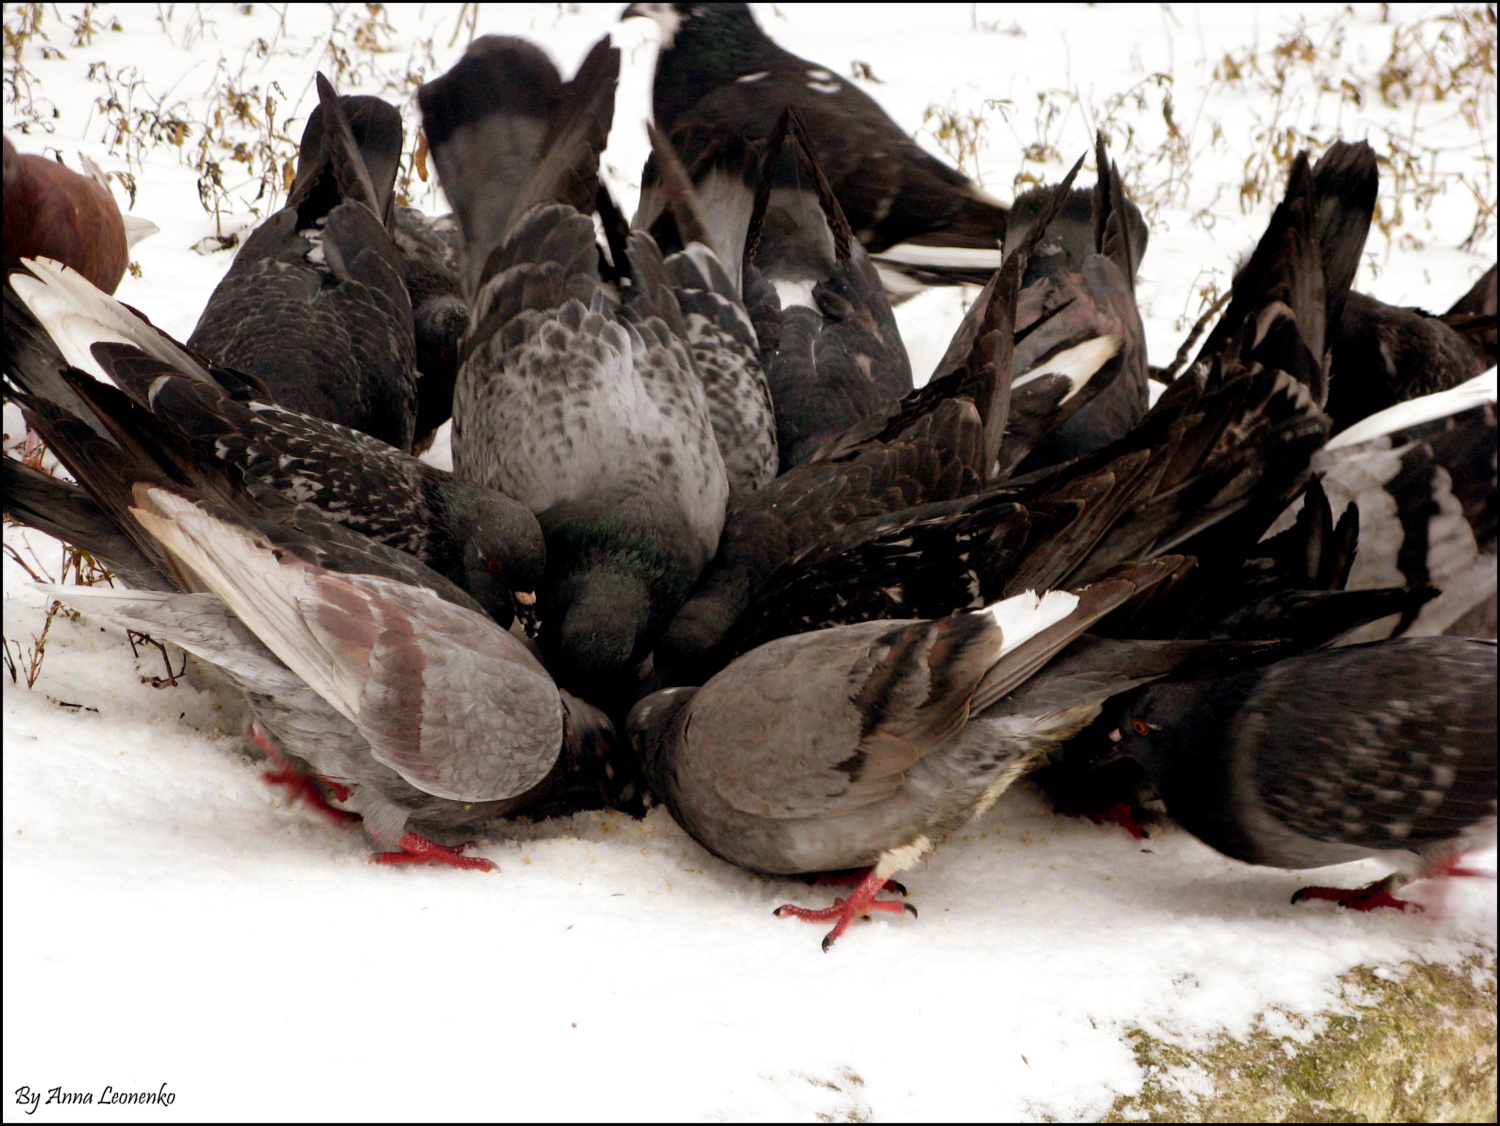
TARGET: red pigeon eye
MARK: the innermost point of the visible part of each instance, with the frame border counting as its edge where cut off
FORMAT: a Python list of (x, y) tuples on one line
[(494, 566), (1138, 726)]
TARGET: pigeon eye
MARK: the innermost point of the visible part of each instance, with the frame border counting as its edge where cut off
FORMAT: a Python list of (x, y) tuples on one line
[(494, 566), (1138, 726)]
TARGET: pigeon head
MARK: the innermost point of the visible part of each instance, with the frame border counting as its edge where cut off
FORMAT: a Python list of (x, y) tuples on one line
[(1153, 727), (702, 47), (592, 624), (504, 555), (596, 769), (651, 728)]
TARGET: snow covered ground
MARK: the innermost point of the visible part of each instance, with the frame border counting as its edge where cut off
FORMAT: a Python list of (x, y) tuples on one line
[(170, 919)]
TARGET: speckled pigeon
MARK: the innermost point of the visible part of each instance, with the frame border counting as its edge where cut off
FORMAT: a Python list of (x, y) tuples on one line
[(587, 409), (717, 70), (482, 540), (1384, 750), (864, 745), (315, 304)]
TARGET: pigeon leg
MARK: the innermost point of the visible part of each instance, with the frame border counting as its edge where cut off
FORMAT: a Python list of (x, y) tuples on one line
[(417, 849), (1120, 814), (1449, 866), (853, 877), (300, 785), (859, 904), (1365, 898)]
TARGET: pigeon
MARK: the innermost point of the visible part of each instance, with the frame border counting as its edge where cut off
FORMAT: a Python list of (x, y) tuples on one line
[(376, 677), (718, 71), (1324, 218), (424, 717), (939, 456), (1422, 476), (1384, 355), (862, 746), (585, 408), (703, 237), (837, 353), (432, 268), (1385, 750), (52, 211), (1085, 267), (487, 543), (315, 304)]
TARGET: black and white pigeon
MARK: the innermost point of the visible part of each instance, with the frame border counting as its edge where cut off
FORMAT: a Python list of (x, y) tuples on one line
[(698, 206), (578, 394), (1422, 476), (718, 71), (1384, 354), (487, 543), (315, 304), (834, 353), (1080, 280), (1384, 750), (863, 746)]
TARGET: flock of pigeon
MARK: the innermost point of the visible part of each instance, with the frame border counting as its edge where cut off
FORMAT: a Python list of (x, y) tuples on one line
[(823, 617)]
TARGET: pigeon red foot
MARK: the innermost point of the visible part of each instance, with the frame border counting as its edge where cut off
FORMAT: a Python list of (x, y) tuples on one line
[(858, 905), (302, 785), (1378, 894), (1366, 898), (419, 850), (1121, 814)]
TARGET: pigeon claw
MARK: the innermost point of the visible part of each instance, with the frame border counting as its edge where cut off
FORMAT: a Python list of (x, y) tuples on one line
[(417, 849), (1366, 898), (300, 784), (859, 905)]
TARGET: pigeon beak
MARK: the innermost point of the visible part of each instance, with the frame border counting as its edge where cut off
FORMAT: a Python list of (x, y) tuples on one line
[(525, 601), (1115, 736)]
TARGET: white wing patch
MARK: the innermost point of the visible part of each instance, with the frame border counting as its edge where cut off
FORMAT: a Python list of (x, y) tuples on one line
[(1023, 616)]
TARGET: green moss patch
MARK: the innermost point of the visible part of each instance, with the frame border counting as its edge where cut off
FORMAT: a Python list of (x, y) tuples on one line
[(1416, 1045)]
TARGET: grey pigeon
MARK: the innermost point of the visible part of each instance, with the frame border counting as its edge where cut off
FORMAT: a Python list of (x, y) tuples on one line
[(719, 72), (584, 407), (1384, 750), (864, 745), (482, 540), (424, 717), (315, 304), (703, 237)]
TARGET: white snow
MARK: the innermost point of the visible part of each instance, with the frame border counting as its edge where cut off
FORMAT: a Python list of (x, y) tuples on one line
[(170, 919)]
